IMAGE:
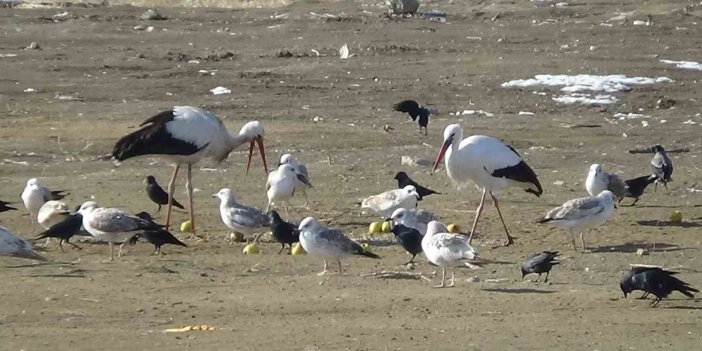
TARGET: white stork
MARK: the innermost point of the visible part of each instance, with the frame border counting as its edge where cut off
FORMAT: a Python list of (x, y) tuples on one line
[(185, 135), (488, 163)]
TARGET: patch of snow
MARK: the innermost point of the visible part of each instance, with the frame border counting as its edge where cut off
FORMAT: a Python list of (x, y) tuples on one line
[(474, 112), (526, 113), (684, 64), (586, 99), (632, 115), (689, 121), (586, 82), (220, 90)]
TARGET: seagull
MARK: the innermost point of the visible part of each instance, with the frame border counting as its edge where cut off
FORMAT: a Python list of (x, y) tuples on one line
[(415, 110), (157, 237), (488, 163), (241, 218), (635, 187), (64, 230), (14, 246), (302, 182), (52, 212), (598, 180), (386, 203), (661, 166), (280, 186), (404, 180), (35, 195), (582, 214), (332, 244), (284, 232), (416, 219), (540, 263), (4, 206), (443, 248), (185, 135), (112, 225), (656, 281), (158, 195), (409, 238)]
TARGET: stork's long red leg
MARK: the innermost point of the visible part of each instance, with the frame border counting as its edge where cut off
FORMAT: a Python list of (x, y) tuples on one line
[(478, 211), (189, 187), (510, 240), (171, 188)]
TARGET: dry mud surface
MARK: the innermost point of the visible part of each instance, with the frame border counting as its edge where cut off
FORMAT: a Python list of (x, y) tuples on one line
[(95, 78)]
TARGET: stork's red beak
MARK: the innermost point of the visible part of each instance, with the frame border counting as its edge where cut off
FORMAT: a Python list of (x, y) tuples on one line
[(257, 140), (441, 154)]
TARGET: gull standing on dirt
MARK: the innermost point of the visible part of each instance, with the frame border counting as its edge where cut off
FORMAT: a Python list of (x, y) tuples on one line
[(158, 195), (540, 263), (598, 180), (635, 187), (242, 219), (329, 244), (52, 212), (112, 225), (14, 246), (443, 248), (582, 214), (489, 164), (302, 181), (35, 195), (386, 203), (661, 166), (281, 185), (185, 135), (417, 219), (415, 110)]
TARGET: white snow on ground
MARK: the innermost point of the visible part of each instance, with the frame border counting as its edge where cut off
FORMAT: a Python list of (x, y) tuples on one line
[(220, 90), (632, 115), (586, 99), (684, 64)]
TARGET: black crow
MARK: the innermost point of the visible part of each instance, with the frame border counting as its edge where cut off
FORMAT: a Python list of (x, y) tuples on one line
[(415, 110), (158, 195), (404, 180), (635, 187), (4, 206), (540, 263), (284, 232), (409, 238), (661, 166), (64, 230), (157, 237), (654, 280)]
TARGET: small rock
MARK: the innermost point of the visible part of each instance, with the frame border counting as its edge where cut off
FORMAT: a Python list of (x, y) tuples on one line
[(473, 279), (33, 46), (140, 27), (152, 15), (641, 252), (49, 298), (665, 103), (402, 7), (140, 55)]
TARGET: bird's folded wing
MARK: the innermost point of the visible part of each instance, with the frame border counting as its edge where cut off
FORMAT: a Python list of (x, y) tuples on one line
[(579, 208), (336, 238), (115, 221), (425, 217), (248, 217), (382, 201)]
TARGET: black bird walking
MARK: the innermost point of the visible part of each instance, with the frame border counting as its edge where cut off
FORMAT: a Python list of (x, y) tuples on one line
[(157, 237), (284, 232), (656, 281), (415, 110), (635, 187), (4, 206), (64, 230), (158, 195), (540, 263), (409, 238), (404, 180), (661, 166)]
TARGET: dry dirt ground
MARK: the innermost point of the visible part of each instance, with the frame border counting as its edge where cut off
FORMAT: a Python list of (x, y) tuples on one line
[(95, 78)]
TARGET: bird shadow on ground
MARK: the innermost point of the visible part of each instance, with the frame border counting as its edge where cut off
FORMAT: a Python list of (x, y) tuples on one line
[(655, 223), (657, 206), (694, 308), (633, 247), (518, 291), (62, 275)]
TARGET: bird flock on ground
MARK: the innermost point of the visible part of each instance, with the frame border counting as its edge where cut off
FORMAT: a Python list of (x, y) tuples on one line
[(184, 135)]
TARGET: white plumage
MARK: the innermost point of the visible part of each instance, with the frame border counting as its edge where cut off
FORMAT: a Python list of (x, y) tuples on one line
[(387, 202), (243, 219), (416, 219), (303, 182), (14, 246), (598, 181), (280, 186), (52, 212), (35, 195), (445, 249)]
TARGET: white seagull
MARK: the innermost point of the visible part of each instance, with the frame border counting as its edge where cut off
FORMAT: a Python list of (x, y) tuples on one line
[(488, 163), (112, 225), (14, 246), (443, 248), (243, 219), (302, 183), (597, 181), (52, 212), (582, 214), (35, 195), (417, 219), (330, 244), (386, 203), (282, 184), (185, 135)]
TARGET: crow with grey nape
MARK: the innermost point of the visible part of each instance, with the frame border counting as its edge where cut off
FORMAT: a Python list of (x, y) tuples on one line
[(5, 206), (157, 237), (656, 281), (416, 111), (634, 188), (540, 263), (409, 238), (661, 166), (404, 180), (284, 232), (158, 195), (64, 230)]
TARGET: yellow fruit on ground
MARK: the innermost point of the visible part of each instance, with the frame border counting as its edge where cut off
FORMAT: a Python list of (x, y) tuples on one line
[(676, 217), (186, 227), (375, 228), (386, 227), (453, 228), (251, 249), (297, 249)]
